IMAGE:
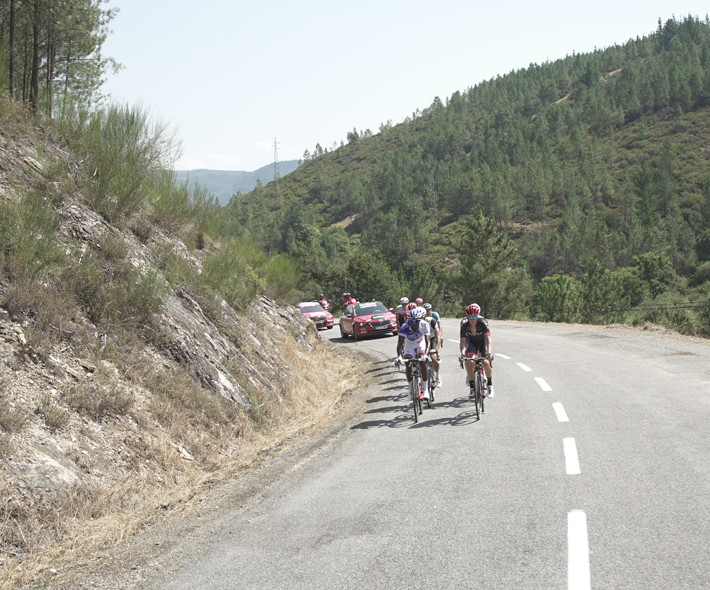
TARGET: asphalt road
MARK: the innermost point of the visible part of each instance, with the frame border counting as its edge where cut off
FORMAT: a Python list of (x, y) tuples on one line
[(589, 469)]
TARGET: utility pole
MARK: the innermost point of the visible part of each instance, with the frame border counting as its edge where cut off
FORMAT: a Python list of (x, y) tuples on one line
[(277, 172), (277, 175)]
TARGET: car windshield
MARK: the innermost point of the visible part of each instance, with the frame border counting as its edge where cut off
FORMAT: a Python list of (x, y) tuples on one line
[(369, 308), (310, 307)]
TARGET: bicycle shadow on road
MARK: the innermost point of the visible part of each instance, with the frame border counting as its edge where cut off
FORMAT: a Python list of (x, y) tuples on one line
[(464, 418), (402, 420), (404, 417)]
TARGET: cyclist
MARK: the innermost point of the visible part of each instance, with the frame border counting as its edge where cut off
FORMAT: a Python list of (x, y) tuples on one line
[(345, 300), (436, 316), (401, 311), (414, 335), (476, 337), (400, 314), (323, 302), (435, 344)]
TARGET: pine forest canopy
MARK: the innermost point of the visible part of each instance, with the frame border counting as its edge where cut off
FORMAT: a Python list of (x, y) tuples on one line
[(51, 51), (589, 164)]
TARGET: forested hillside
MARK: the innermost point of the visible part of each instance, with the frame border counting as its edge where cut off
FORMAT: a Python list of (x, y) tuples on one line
[(577, 189)]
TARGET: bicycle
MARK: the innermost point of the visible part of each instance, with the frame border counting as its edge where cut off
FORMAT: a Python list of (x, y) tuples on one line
[(415, 388), (476, 387)]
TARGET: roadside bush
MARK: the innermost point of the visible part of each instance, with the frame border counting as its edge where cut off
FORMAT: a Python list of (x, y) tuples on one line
[(558, 299), (48, 305), (97, 402), (11, 419), (115, 294), (282, 277), (54, 417), (121, 150), (228, 271), (27, 235)]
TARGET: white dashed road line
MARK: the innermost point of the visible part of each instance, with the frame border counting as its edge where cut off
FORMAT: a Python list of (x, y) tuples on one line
[(571, 458), (578, 577), (503, 356), (543, 384), (560, 411), (524, 367)]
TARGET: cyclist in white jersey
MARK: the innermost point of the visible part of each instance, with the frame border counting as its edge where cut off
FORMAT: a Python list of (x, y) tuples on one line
[(414, 335)]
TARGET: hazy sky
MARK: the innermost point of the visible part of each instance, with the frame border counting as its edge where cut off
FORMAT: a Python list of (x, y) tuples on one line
[(229, 76)]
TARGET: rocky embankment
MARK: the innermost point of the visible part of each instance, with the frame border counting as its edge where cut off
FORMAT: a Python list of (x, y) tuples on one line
[(100, 434)]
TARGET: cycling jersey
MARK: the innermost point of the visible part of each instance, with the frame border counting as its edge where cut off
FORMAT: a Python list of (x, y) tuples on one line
[(476, 335), (400, 313), (433, 326), (414, 340)]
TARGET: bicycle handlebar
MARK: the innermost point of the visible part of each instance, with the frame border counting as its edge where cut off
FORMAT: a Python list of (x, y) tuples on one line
[(478, 358)]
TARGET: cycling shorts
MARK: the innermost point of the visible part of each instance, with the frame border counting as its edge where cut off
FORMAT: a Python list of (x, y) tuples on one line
[(413, 350), (478, 346)]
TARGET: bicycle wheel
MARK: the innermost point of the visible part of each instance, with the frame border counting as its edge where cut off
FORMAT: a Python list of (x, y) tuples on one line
[(415, 397), (418, 394), (478, 395), (483, 397)]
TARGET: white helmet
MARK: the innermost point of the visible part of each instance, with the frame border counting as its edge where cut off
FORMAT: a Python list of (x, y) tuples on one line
[(416, 314), (403, 301)]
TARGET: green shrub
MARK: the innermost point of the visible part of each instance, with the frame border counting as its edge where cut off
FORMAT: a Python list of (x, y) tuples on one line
[(228, 271), (115, 294), (49, 306), (54, 417), (120, 149), (97, 402), (282, 277), (11, 419), (27, 235)]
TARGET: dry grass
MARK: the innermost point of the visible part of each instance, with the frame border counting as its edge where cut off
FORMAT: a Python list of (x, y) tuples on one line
[(174, 463)]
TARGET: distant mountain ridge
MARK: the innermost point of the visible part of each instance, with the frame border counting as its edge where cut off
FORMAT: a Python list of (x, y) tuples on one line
[(225, 183)]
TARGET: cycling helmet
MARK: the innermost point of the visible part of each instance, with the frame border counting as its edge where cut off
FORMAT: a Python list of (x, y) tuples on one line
[(416, 314), (403, 301), (426, 306), (411, 306), (419, 300), (473, 310)]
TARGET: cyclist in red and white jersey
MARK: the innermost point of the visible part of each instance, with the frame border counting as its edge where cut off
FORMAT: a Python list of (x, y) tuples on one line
[(400, 312), (414, 335)]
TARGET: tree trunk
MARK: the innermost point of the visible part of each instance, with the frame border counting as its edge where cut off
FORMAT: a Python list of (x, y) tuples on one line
[(12, 48), (34, 76)]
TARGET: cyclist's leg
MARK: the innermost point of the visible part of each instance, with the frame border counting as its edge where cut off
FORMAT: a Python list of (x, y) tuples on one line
[(470, 367), (423, 369), (488, 370)]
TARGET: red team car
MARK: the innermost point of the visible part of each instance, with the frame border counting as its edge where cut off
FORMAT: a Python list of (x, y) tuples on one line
[(369, 318), (314, 311)]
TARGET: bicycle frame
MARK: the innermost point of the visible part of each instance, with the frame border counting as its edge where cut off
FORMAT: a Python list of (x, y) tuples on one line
[(415, 387), (476, 391)]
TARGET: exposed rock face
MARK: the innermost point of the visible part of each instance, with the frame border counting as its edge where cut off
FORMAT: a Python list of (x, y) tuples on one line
[(234, 357)]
